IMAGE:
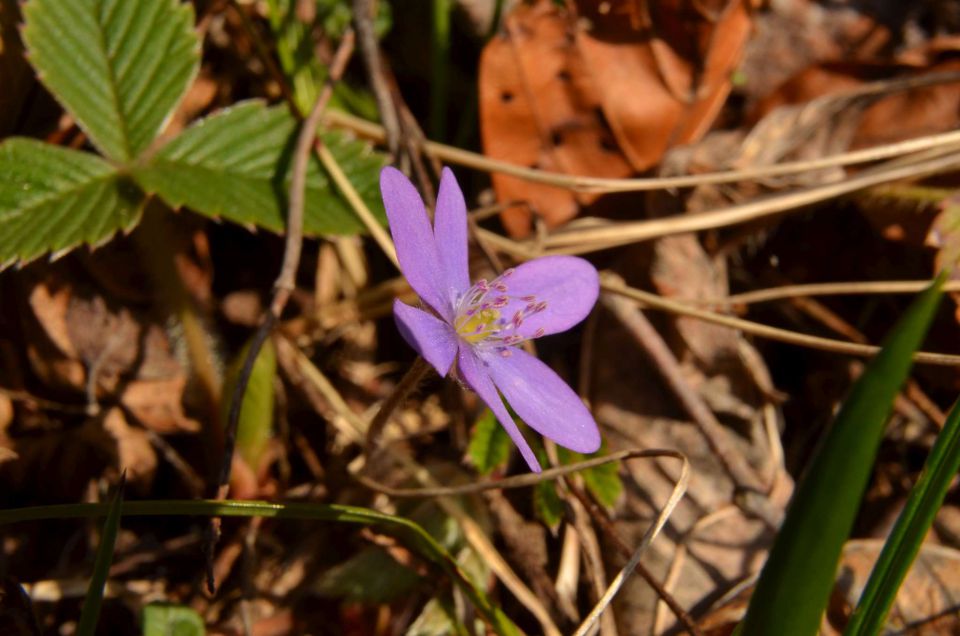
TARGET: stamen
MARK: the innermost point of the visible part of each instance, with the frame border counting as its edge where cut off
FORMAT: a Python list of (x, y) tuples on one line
[(479, 319)]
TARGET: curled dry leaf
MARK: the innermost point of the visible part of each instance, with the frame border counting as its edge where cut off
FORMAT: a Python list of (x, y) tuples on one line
[(75, 330), (600, 91)]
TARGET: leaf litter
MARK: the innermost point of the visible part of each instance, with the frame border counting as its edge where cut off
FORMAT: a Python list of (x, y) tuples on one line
[(98, 373)]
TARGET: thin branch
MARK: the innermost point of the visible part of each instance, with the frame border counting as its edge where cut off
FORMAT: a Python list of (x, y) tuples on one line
[(606, 525), (853, 288), (408, 383), (284, 285), (518, 481), (678, 491), (718, 438), (612, 285), (356, 202), (364, 12)]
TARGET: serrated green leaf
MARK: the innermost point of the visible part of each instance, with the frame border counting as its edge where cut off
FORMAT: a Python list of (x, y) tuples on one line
[(90, 612), (255, 426), (490, 445), (119, 67), (53, 199), (795, 583), (161, 619), (236, 165), (602, 481)]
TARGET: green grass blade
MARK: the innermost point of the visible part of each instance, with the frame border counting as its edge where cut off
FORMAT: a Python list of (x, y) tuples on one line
[(905, 539), (414, 536), (796, 581), (90, 612)]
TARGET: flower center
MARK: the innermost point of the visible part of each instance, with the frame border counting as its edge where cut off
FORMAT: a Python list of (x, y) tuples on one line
[(487, 315)]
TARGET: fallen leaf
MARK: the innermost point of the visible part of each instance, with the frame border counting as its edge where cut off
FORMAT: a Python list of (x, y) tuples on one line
[(559, 91)]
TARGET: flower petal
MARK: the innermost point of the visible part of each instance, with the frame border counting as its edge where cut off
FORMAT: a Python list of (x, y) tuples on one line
[(474, 373), (434, 339), (413, 236), (543, 399), (568, 285), (450, 232)]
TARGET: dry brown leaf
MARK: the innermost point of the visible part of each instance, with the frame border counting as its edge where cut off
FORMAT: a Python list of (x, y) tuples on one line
[(539, 108), (709, 543), (134, 452), (74, 330), (662, 77), (603, 92)]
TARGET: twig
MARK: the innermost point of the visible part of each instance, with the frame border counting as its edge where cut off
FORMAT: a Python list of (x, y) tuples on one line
[(284, 285), (354, 428), (356, 202), (408, 383), (853, 288), (678, 491), (364, 12), (517, 481), (742, 474), (606, 526), (615, 286)]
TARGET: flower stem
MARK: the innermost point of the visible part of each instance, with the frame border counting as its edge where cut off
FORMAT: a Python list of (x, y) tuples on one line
[(408, 383)]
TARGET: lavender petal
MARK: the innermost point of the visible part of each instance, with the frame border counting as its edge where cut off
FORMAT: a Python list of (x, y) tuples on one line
[(413, 237), (450, 232), (474, 373), (542, 399), (434, 339), (566, 287)]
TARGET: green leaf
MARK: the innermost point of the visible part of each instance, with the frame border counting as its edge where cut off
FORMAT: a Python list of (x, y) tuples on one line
[(906, 538), (255, 425), (236, 165), (53, 199), (796, 581), (90, 612), (413, 536), (602, 481), (119, 67), (303, 69), (161, 619), (490, 445), (547, 503), (370, 576)]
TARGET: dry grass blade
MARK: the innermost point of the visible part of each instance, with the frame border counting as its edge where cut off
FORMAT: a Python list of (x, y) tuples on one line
[(355, 429), (764, 331), (678, 491), (516, 481), (576, 183), (853, 288)]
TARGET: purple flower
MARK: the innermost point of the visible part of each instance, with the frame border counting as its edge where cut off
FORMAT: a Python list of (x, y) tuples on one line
[(480, 325)]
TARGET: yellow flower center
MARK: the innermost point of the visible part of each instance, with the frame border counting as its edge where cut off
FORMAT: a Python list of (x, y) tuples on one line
[(476, 327)]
